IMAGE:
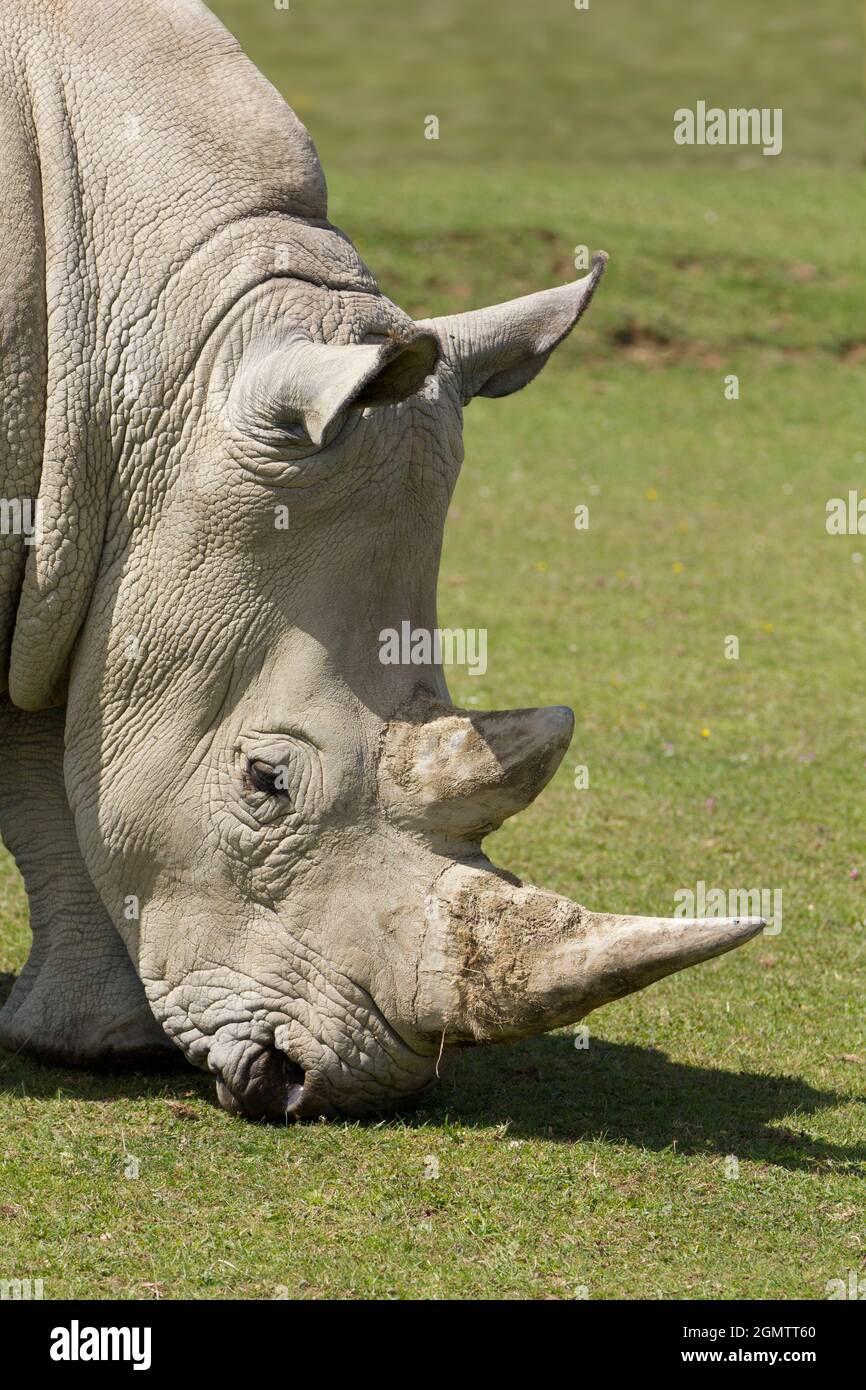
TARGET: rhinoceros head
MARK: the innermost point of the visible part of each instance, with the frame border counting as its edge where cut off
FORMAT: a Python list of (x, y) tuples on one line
[(285, 827), (297, 822)]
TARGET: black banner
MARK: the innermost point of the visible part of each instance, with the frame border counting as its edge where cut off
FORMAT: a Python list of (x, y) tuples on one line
[(173, 1338)]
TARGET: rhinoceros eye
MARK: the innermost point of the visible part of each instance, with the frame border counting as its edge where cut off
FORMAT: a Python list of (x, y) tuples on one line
[(272, 779)]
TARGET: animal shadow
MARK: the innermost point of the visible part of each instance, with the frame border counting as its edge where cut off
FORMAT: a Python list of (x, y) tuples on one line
[(625, 1094)]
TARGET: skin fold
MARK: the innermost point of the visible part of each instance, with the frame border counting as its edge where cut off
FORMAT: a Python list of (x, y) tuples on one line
[(244, 836)]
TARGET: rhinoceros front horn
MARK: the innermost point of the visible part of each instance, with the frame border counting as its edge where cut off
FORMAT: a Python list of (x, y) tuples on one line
[(503, 960), (500, 959)]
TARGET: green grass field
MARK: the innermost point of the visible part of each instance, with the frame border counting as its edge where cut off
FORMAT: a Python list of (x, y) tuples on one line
[(562, 1172)]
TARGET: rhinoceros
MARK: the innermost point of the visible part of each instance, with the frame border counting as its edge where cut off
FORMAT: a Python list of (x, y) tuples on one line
[(227, 459)]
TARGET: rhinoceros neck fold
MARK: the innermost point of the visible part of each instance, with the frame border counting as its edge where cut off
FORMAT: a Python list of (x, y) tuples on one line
[(173, 180)]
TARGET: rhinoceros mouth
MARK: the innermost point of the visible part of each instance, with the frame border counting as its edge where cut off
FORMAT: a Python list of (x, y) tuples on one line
[(269, 1087), (368, 1073)]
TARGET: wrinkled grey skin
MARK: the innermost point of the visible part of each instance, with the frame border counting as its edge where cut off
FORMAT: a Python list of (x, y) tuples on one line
[(274, 833)]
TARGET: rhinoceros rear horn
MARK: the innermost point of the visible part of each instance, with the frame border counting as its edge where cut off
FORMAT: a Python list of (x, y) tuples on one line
[(458, 774), (303, 385), (498, 350)]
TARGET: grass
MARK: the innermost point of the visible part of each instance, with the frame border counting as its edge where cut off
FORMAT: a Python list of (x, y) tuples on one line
[(606, 1170), (511, 82)]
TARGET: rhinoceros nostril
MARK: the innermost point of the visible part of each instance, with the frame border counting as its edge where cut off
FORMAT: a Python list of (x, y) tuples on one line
[(270, 1088)]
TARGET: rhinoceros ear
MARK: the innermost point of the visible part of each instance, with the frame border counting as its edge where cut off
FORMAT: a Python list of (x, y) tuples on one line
[(498, 350), (302, 388)]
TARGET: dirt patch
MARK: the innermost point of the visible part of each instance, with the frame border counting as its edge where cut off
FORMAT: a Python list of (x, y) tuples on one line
[(653, 347)]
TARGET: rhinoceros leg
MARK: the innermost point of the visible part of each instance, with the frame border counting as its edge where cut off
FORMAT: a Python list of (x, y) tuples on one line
[(78, 1000)]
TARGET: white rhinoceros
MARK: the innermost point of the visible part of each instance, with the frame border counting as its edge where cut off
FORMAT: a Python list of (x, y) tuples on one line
[(262, 843)]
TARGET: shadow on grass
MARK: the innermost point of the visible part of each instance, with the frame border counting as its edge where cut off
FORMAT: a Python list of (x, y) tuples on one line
[(39, 1080), (623, 1094), (614, 1092)]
